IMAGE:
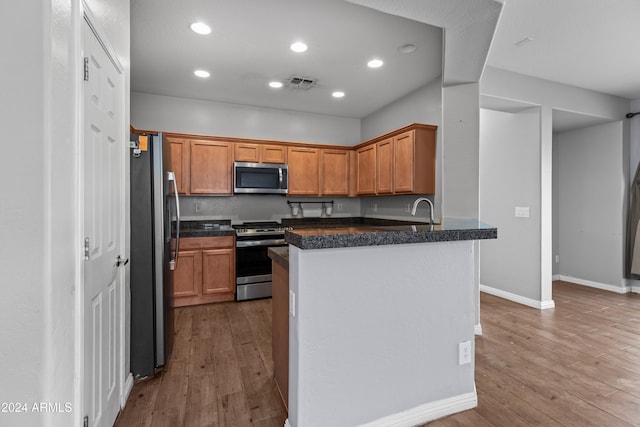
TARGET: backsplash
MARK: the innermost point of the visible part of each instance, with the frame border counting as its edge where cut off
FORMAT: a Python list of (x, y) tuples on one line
[(396, 207), (263, 207)]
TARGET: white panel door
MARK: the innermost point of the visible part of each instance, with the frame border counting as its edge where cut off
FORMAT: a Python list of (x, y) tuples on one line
[(103, 169)]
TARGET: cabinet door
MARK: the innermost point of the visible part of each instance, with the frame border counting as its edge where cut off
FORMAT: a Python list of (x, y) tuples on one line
[(404, 162), (334, 170), (218, 271), (384, 166), (180, 164), (366, 162), (244, 152), (303, 171), (273, 154), (210, 167), (187, 276)]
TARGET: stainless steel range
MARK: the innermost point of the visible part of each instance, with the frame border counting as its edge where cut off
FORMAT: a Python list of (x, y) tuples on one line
[(253, 265)]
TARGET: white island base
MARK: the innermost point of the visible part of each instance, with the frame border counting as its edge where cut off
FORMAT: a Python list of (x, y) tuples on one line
[(374, 334)]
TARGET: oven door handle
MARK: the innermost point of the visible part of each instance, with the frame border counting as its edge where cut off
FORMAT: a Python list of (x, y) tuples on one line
[(254, 243)]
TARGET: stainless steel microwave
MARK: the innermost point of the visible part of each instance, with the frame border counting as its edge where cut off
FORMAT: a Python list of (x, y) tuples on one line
[(260, 178)]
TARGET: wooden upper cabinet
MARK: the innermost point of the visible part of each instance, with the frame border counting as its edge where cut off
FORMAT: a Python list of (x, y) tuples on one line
[(384, 166), (273, 153), (366, 165), (334, 172), (245, 152), (260, 153), (180, 159), (211, 163), (415, 161), (303, 171)]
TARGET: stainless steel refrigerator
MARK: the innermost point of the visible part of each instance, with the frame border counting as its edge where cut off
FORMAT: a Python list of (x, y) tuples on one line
[(155, 234)]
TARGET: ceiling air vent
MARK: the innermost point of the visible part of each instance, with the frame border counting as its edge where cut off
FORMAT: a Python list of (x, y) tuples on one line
[(305, 83)]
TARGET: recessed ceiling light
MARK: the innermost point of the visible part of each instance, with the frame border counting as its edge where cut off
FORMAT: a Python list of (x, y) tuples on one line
[(202, 73), (200, 28), (298, 47), (407, 48), (275, 84), (338, 94), (375, 63)]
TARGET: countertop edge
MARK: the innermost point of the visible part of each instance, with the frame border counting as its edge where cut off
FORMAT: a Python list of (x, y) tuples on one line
[(391, 236)]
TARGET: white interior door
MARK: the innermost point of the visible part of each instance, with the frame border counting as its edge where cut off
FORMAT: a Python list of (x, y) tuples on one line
[(103, 282)]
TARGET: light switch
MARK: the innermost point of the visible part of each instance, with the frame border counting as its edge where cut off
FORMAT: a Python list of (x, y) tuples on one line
[(522, 212)]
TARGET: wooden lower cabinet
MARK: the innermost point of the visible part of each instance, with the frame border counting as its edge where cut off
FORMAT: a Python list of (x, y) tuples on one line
[(205, 272)]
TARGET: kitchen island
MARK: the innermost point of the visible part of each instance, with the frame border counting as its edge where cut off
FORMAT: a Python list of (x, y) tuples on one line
[(377, 318)]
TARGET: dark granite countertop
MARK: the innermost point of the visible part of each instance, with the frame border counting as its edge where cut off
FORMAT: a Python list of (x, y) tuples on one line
[(280, 254), (206, 228), (368, 234)]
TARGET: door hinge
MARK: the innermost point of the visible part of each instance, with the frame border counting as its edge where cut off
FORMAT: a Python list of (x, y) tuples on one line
[(86, 69), (85, 421), (86, 249)]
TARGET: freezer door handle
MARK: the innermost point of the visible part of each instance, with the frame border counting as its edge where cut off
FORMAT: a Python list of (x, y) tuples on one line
[(173, 259)]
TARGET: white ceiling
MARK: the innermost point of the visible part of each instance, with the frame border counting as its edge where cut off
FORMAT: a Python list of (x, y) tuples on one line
[(249, 46), (593, 44)]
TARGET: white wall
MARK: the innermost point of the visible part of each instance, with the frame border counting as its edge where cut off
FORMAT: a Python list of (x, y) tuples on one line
[(510, 177), (591, 187), (421, 106), (170, 114), (376, 332), (39, 219), (22, 220), (550, 95)]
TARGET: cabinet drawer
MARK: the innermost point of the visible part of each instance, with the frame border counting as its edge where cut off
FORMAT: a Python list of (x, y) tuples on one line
[(207, 242)]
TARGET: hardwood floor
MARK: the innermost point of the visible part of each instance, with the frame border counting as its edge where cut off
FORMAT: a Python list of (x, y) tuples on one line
[(575, 365), (220, 374)]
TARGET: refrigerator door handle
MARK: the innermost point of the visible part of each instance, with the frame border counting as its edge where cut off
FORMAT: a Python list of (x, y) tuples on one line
[(173, 259)]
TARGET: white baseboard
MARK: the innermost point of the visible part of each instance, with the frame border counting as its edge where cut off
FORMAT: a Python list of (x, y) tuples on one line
[(540, 305), (427, 412), (556, 277), (128, 386), (477, 329), (604, 286)]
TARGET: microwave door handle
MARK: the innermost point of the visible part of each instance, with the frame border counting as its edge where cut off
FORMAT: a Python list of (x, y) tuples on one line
[(280, 177), (173, 261)]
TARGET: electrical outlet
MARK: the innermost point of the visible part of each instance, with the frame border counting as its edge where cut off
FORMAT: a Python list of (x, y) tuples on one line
[(339, 207), (292, 303), (375, 207), (408, 208), (197, 207), (557, 258), (464, 353)]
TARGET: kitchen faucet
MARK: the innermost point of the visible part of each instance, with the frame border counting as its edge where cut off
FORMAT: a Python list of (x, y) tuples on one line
[(415, 207)]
